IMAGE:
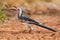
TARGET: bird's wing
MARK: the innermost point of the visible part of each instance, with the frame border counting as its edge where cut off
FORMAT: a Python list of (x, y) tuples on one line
[(31, 21)]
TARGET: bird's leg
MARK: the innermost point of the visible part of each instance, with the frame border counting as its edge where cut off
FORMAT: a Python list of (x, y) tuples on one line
[(25, 27), (30, 26)]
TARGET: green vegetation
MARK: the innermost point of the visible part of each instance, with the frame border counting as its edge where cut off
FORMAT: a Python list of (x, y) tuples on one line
[(1, 12), (2, 17)]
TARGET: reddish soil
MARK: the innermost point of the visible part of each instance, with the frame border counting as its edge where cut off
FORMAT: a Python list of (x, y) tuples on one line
[(12, 30)]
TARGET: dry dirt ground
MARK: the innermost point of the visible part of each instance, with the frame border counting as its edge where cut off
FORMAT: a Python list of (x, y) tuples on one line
[(12, 30)]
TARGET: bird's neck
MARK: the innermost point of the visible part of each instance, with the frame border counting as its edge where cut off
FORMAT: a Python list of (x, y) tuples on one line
[(19, 14)]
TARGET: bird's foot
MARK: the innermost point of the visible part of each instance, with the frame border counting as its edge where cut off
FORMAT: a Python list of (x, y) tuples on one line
[(31, 30), (24, 31)]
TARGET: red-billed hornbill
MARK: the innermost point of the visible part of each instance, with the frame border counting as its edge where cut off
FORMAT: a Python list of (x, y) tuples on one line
[(27, 20)]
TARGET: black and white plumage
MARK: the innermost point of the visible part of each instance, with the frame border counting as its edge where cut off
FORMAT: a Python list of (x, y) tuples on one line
[(25, 19)]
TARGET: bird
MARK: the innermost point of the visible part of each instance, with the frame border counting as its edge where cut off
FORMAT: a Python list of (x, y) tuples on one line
[(27, 20)]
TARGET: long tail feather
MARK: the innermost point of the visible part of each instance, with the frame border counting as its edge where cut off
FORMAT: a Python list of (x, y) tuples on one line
[(46, 27)]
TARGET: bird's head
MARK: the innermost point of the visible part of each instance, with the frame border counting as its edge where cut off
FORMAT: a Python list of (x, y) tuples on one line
[(15, 8), (18, 10)]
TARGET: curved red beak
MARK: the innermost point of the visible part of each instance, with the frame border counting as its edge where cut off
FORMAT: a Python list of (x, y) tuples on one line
[(14, 8)]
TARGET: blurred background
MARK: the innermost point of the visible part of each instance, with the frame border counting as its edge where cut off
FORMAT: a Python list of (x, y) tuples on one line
[(38, 7), (46, 12)]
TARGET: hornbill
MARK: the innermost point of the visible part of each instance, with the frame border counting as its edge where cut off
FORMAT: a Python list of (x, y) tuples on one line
[(28, 20)]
